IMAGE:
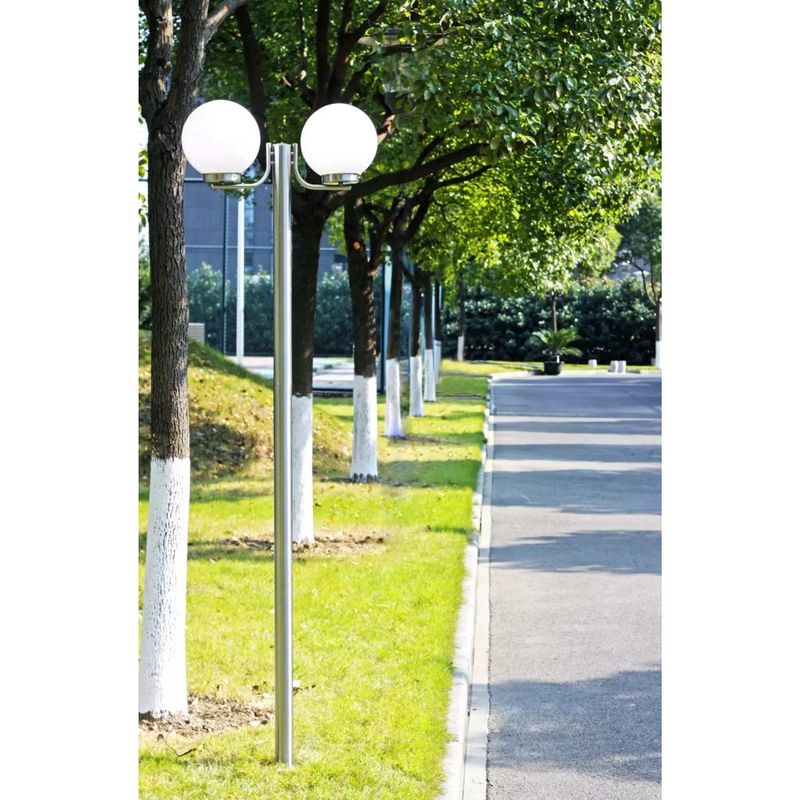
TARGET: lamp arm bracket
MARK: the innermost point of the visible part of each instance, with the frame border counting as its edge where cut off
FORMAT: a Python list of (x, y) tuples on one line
[(314, 187), (250, 184)]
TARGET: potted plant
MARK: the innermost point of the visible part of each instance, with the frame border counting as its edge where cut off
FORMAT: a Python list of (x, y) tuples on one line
[(556, 344)]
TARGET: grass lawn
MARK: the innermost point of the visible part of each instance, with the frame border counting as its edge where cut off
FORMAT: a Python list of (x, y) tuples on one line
[(373, 627)]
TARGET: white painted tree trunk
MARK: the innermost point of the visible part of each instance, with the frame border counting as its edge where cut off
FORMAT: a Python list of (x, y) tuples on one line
[(415, 408), (302, 472), (657, 361), (162, 663), (364, 464), (460, 351), (437, 354), (430, 377), (393, 422)]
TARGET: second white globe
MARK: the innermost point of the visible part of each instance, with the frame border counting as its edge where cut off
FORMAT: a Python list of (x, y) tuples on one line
[(339, 143)]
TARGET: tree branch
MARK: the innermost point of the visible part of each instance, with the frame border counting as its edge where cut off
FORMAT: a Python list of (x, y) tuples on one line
[(302, 43), (356, 79), (157, 65), (644, 285), (428, 149), (346, 17), (255, 81), (323, 67), (416, 173), (189, 60), (346, 42), (219, 14), (463, 178)]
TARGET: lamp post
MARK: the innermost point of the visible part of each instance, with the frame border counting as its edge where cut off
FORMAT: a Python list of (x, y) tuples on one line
[(221, 139)]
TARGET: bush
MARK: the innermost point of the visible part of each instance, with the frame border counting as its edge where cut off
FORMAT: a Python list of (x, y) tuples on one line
[(333, 322), (145, 300), (613, 321)]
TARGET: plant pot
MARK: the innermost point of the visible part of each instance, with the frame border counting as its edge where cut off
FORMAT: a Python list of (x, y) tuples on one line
[(552, 367)]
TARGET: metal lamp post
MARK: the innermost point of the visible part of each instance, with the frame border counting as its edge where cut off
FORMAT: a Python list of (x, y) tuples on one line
[(221, 139)]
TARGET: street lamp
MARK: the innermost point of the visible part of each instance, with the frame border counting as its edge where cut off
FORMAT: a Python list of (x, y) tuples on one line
[(221, 140)]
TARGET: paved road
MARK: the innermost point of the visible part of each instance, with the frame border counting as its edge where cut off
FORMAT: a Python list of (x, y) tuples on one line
[(575, 588)]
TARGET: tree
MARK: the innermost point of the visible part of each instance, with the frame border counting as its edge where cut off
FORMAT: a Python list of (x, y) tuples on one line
[(640, 249), (346, 60), (174, 52), (467, 79)]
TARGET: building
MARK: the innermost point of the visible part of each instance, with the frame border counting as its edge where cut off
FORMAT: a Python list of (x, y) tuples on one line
[(210, 220)]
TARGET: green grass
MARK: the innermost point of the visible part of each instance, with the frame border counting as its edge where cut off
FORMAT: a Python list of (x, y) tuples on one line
[(373, 631), (230, 417)]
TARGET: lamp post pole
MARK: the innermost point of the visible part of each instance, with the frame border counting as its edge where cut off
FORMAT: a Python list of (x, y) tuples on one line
[(221, 139), (240, 281), (282, 232)]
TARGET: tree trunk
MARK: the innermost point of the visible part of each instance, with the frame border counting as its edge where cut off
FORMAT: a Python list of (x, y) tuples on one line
[(415, 407), (162, 666), (555, 316), (462, 320), (364, 464), (393, 423), (168, 83), (430, 362), (306, 234)]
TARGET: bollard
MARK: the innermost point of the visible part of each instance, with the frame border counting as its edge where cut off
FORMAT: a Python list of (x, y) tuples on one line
[(593, 363), (613, 366), (621, 365)]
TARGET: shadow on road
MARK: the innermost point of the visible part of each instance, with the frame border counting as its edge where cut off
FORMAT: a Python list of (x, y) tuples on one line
[(618, 552), (607, 726)]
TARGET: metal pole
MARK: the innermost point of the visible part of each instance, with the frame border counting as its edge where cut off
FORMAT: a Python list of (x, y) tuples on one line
[(223, 326), (240, 283), (282, 268)]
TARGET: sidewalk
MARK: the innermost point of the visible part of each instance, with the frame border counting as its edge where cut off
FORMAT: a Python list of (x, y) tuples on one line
[(329, 373), (575, 650)]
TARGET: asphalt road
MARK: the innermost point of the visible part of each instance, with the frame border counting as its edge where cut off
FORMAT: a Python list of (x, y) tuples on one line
[(575, 589)]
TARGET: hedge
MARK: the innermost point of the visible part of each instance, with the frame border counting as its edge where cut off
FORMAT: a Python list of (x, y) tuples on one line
[(613, 321)]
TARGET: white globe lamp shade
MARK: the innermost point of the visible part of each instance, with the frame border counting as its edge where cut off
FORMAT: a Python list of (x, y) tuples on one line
[(339, 143), (221, 140)]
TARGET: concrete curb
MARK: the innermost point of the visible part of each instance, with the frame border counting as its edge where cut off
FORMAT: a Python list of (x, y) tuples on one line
[(458, 714), (477, 747)]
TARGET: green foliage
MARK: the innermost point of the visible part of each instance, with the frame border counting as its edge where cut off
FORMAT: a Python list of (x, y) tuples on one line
[(556, 343), (641, 235), (333, 321), (142, 175), (145, 298), (612, 321), (640, 247)]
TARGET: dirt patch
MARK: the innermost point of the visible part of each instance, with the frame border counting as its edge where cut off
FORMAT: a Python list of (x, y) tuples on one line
[(342, 544), (326, 544), (208, 715)]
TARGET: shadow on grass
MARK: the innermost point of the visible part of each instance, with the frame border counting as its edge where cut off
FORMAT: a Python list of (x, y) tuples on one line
[(218, 450), (212, 549)]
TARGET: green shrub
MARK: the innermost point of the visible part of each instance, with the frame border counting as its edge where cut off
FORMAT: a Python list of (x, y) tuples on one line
[(612, 321)]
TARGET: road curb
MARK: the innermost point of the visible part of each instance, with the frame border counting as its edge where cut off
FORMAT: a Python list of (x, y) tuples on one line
[(458, 718)]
